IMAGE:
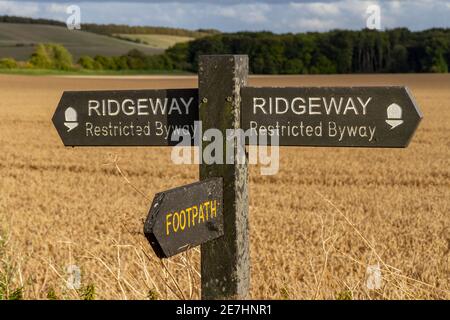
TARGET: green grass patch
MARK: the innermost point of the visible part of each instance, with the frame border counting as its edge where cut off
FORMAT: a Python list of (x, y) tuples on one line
[(87, 292)]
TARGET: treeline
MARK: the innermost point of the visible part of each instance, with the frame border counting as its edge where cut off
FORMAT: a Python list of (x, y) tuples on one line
[(26, 20), (366, 51), (133, 60), (338, 51), (114, 29)]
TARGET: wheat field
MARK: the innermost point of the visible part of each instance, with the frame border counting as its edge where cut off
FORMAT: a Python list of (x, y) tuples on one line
[(316, 227)]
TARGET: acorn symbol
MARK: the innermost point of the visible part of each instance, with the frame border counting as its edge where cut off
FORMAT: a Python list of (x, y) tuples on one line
[(71, 119), (394, 115)]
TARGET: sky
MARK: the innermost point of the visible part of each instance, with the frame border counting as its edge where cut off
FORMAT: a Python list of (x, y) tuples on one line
[(232, 15)]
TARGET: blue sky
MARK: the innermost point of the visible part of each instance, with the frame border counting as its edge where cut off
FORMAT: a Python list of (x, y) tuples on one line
[(233, 15)]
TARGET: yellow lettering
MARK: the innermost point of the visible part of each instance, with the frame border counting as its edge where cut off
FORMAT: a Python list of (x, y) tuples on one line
[(206, 204), (188, 210), (176, 224), (194, 215), (214, 208), (182, 220), (188, 217), (201, 216), (168, 223)]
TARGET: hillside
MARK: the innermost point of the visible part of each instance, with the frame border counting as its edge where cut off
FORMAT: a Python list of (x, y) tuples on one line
[(110, 29), (157, 41), (18, 41)]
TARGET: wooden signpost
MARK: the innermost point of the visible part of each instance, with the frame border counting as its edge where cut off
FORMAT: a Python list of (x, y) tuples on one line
[(225, 262), (330, 117)]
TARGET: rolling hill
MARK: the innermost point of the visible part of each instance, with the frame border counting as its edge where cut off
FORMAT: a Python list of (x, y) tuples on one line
[(18, 40), (157, 41)]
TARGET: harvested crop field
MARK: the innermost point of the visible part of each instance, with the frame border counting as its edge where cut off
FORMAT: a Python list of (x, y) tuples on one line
[(331, 219)]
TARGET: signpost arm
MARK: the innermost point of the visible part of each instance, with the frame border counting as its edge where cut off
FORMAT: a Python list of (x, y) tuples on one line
[(225, 265)]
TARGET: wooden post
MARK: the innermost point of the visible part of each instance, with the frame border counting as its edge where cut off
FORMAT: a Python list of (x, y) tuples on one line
[(225, 262)]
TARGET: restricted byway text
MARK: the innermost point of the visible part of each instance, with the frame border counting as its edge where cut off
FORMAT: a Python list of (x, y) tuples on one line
[(330, 129)]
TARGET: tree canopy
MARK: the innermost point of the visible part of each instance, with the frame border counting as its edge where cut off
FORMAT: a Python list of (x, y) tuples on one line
[(337, 51)]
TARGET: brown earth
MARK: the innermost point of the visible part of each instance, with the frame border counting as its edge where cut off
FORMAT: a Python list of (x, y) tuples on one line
[(316, 226)]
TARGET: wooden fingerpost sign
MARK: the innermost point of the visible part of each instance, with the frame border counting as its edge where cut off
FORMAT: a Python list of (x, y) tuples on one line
[(225, 262), (213, 212), (185, 217)]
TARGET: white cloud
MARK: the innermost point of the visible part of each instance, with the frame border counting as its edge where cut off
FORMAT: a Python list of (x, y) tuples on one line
[(56, 8), (318, 8), (227, 12), (16, 8), (245, 13), (395, 5), (312, 24)]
